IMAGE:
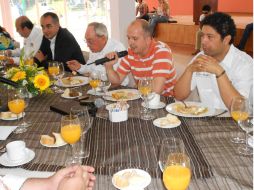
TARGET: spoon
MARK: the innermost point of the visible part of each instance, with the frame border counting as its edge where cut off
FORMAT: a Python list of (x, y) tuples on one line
[(185, 105)]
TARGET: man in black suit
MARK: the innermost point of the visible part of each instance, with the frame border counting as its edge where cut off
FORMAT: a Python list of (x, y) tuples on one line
[(58, 43)]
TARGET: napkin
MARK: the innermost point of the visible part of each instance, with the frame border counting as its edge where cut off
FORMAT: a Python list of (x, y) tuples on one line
[(5, 131)]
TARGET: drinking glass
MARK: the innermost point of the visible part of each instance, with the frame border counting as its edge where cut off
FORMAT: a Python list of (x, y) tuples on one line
[(25, 95), (247, 126), (56, 70), (105, 83), (175, 164), (70, 132), (16, 104), (94, 80), (85, 122), (145, 89), (239, 112)]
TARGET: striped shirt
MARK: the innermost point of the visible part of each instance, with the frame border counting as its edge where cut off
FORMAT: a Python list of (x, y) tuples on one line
[(157, 63)]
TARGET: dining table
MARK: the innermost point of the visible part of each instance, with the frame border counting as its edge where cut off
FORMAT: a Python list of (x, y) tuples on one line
[(135, 143)]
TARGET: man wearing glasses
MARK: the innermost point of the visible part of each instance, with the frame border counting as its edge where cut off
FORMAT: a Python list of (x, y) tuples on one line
[(97, 40), (58, 43)]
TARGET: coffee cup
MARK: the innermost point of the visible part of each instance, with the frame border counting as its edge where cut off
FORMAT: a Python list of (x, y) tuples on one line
[(16, 150), (155, 100)]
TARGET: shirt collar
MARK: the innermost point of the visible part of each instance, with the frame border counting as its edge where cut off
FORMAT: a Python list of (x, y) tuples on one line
[(53, 39)]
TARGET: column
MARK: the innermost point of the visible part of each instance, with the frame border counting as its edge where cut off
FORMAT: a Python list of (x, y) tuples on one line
[(122, 13)]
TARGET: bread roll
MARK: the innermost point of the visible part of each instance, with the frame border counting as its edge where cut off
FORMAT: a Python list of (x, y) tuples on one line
[(47, 140)]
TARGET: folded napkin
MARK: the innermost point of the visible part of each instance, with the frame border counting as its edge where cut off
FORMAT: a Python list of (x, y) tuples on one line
[(5, 131)]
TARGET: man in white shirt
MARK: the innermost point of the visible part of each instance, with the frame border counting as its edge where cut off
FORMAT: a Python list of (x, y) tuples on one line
[(97, 40), (221, 71), (32, 39)]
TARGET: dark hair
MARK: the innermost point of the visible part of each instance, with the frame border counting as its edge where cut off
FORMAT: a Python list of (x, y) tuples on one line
[(28, 24), (52, 15), (222, 23), (206, 8), (4, 32)]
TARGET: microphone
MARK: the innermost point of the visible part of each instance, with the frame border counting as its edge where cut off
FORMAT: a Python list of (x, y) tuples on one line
[(9, 82), (105, 59)]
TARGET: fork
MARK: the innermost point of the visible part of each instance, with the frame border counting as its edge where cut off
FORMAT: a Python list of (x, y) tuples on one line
[(185, 105)]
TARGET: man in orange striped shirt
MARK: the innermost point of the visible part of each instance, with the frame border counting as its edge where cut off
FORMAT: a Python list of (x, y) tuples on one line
[(146, 58)]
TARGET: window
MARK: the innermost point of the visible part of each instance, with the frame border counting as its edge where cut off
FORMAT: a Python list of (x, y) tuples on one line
[(73, 14)]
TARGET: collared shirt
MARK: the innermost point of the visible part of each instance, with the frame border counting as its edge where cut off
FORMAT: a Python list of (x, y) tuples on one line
[(111, 45), (52, 46), (31, 44), (157, 63), (239, 69)]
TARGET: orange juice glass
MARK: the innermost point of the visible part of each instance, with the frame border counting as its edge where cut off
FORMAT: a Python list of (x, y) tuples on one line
[(54, 70), (145, 90), (94, 83), (176, 177), (29, 61), (16, 106), (239, 115), (71, 133)]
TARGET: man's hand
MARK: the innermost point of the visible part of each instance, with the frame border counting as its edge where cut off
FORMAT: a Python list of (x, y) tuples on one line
[(40, 56), (205, 63), (74, 65), (109, 64), (81, 179)]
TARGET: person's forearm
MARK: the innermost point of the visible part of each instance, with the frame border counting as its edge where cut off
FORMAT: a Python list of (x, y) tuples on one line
[(113, 76), (182, 88), (227, 90), (38, 184)]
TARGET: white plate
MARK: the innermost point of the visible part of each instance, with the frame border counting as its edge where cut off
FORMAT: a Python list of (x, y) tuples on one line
[(159, 106), (6, 162), (13, 118), (53, 145), (170, 109), (156, 122), (134, 185), (133, 92), (83, 79), (71, 97)]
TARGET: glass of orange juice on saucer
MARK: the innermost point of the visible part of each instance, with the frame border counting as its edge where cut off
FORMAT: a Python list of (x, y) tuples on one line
[(71, 133), (16, 104), (94, 80), (175, 164)]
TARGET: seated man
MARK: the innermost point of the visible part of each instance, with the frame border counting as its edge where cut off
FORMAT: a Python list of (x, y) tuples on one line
[(99, 44), (221, 71), (146, 58), (58, 43), (73, 177), (32, 39)]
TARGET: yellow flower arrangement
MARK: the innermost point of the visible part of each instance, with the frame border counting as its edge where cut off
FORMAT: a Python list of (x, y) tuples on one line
[(35, 79)]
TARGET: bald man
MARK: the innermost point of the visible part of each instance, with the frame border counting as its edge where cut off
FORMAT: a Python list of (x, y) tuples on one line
[(146, 58), (32, 38)]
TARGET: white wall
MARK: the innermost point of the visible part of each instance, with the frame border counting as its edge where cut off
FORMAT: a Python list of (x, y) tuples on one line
[(122, 13)]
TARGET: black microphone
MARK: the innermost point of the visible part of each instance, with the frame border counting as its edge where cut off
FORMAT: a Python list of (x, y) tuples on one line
[(105, 59), (9, 82)]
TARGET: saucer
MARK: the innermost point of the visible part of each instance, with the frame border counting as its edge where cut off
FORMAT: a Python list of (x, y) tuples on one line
[(71, 97), (159, 106), (250, 141), (5, 161), (98, 93), (137, 179)]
